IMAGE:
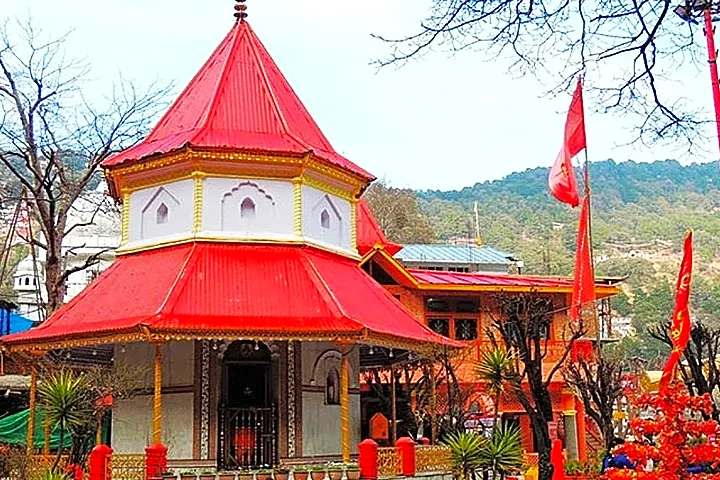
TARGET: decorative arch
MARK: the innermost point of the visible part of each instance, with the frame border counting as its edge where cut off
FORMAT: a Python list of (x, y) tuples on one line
[(157, 214), (330, 225), (247, 208)]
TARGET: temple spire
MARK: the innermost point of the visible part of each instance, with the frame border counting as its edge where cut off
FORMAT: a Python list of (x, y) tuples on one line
[(240, 11)]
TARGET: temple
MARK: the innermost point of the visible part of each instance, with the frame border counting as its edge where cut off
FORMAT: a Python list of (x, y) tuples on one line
[(237, 288)]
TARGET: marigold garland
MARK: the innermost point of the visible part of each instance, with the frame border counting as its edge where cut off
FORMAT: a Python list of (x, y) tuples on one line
[(676, 432)]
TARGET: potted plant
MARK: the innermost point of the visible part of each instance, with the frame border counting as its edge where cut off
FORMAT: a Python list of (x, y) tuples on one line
[(188, 476), (231, 476), (352, 471), (207, 475), (317, 472), (168, 475), (263, 474), (281, 473), (300, 474), (335, 471)]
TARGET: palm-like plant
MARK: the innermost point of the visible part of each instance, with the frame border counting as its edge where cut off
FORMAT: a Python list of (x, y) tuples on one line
[(503, 453), (496, 369), (68, 403), (465, 453)]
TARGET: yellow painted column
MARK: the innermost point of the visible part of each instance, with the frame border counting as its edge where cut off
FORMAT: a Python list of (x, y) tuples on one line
[(157, 395), (297, 206), (393, 406), (345, 405), (353, 225), (198, 179), (125, 219), (30, 440)]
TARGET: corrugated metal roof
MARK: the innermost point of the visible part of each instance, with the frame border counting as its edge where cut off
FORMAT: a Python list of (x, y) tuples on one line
[(442, 253), (238, 100), (253, 291), (369, 232), (489, 279)]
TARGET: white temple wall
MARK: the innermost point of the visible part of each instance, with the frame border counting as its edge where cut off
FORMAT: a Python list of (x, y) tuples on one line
[(161, 212), (132, 424), (178, 362), (248, 208), (132, 418), (321, 420), (326, 218)]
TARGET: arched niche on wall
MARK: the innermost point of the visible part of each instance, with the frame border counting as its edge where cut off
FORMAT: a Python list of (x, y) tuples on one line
[(247, 208)]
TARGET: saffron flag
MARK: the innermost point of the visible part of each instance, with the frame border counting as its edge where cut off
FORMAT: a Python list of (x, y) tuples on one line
[(562, 181), (680, 326), (583, 295)]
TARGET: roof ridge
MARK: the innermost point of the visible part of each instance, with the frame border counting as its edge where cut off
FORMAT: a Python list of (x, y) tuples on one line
[(203, 121), (322, 284), (273, 97), (172, 295)]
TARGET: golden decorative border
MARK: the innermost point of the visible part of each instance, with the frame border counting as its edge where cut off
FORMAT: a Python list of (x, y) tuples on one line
[(144, 334), (127, 250), (156, 170)]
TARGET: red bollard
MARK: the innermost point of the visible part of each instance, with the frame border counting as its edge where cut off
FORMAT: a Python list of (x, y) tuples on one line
[(406, 448), (557, 460), (368, 457), (98, 462), (155, 461)]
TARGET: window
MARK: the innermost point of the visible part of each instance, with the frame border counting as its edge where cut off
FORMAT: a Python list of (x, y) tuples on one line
[(466, 329), (440, 325), (435, 305), (247, 208), (459, 269), (27, 280), (161, 215), (456, 318), (332, 390), (325, 219)]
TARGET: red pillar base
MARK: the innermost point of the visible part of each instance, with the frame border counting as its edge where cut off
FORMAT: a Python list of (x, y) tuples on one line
[(367, 461), (407, 455), (155, 461), (98, 462)]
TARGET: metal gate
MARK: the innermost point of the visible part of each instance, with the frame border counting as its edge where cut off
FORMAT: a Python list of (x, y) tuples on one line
[(248, 437)]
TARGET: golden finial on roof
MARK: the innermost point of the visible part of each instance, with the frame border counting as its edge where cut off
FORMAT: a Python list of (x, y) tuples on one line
[(240, 10)]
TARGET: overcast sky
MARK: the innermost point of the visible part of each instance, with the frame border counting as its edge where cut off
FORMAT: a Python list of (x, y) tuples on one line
[(443, 122)]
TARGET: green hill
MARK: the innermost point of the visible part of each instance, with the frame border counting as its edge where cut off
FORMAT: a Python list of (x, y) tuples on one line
[(640, 213)]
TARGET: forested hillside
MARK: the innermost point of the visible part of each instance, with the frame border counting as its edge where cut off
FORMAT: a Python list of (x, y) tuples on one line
[(640, 212)]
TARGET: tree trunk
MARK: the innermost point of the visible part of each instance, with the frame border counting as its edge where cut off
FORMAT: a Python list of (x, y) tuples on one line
[(542, 441)]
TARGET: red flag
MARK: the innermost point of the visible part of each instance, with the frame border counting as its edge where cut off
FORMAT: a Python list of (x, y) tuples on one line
[(680, 327), (583, 295), (562, 181)]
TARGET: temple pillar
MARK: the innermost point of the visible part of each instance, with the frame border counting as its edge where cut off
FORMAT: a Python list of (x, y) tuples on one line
[(393, 407), (157, 395), (582, 434), (345, 404), (571, 434), (156, 454), (32, 404), (433, 405)]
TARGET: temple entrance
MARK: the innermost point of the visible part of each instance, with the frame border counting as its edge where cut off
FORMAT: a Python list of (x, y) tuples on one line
[(247, 417)]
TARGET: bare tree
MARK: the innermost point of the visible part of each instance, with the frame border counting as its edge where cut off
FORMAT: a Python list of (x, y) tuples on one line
[(598, 382), (628, 50), (398, 213), (523, 326), (53, 138), (700, 370)]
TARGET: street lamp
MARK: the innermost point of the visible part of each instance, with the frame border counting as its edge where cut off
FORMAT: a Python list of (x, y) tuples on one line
[(689, 11)]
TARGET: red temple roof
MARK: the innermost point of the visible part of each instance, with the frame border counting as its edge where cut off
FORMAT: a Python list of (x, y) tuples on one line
[(238, 100), (369, 233), (250, 291)]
